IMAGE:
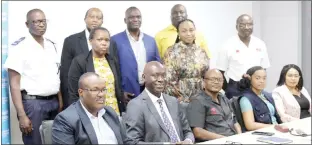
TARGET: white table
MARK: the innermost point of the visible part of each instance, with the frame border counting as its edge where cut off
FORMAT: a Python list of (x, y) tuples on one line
[(248, 138)]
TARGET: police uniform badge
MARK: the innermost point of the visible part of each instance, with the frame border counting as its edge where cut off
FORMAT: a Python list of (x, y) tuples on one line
[(18, 41)]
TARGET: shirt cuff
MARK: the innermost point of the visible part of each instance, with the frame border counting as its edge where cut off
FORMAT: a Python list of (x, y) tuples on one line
[(187, 139)]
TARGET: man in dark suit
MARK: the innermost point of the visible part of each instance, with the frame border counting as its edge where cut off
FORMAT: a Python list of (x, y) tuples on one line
[(88, 121), (135, 49), (154, 117), (77, 44)]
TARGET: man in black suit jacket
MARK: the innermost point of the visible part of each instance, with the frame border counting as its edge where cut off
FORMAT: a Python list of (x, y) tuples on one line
[(88, 121), (77, 44)]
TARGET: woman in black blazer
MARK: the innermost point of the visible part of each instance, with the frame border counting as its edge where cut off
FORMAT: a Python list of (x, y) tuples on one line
[(100, 62)]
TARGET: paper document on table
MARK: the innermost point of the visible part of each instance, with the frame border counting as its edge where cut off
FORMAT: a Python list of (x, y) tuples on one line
[(274, 140)]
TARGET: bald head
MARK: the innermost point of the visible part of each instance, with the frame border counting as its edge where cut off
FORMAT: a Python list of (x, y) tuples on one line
[(93, 18), (84, 79), (93, 10), (213, 81), (244, 26), (151, 65), (176, 6), (154, 77), (242, 18), (178, 14), (31, 12), (214, 72)]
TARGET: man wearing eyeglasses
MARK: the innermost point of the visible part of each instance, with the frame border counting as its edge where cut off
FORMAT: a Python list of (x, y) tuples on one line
[(88, 120), (240, 53), (210, 114), (33, 68)]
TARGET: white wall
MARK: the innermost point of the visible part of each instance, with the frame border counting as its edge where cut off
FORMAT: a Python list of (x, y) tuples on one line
[(216, 20), (306, 44), (280, 28)]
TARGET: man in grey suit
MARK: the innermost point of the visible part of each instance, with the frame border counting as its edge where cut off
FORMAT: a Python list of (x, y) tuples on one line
[(154, 117), (88, 121)]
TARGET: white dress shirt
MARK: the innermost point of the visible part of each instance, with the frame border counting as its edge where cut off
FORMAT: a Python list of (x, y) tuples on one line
[(235, 58), (157, 106), (87, 36), (139, 51), (104, 133), (37, 65)]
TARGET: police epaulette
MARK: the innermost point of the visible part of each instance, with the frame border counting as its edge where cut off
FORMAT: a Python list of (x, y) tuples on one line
[(18, 41), (50, 41)]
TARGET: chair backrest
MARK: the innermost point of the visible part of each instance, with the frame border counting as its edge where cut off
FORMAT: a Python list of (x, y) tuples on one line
[(46, 131), (238, 113)]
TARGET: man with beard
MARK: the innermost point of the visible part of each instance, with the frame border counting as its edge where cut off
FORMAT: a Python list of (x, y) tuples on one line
[(135, 49), (79, 44), (240, 53), (167, 37), (210, 114), (154, 117), (33, 66)]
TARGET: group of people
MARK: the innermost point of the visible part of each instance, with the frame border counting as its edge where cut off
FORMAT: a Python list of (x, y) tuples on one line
[(134, 88)]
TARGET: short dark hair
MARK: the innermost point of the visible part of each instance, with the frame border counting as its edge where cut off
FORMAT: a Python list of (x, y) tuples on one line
[(95, 29), (245, 82), (240, 17), (81, 82), (284, 71), (189, 20), (130, 9)]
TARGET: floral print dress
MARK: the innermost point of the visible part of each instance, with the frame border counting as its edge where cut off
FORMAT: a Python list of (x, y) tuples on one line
[(103, 69), (184, 67)]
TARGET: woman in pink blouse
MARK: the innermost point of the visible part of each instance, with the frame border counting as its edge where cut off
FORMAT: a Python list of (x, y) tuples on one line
[(292, 100)]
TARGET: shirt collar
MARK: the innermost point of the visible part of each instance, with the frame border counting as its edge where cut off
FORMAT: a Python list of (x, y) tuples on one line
[(100, 113), (209, 97), (87, 34), (171, 27), (251, 37), (153, 97), (33, 39), (130, 37)]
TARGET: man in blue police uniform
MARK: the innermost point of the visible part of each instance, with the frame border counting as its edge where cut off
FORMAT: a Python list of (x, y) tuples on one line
[(33, 67)]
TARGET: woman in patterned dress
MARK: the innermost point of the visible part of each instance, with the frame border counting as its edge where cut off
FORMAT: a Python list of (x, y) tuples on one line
[(100, 62), (184, 62)]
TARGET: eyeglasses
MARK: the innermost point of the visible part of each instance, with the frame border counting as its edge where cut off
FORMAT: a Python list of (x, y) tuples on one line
[(295, 76), (219, 80), (241, 25), (232, 142), (96, 91), (38, 22)]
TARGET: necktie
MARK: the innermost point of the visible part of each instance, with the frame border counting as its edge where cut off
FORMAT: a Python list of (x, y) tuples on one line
[(173, 136)]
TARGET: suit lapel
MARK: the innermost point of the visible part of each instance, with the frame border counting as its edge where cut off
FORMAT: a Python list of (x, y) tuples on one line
[(86, 123), (113, 66), (155, 113), (113, 126), (90, 64), (83, 42), (290, 97), (172, 108), (146, 44), (126, 45)]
